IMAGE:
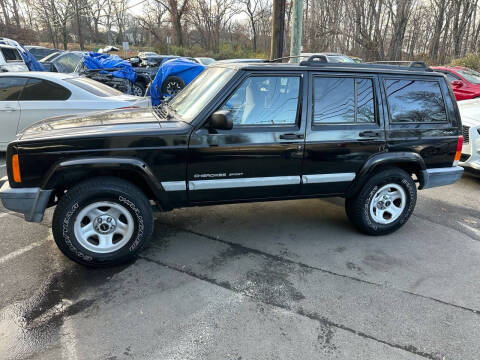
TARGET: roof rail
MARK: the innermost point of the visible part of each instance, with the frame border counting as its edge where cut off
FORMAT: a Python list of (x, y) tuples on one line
[(375, 65), (413, 64)]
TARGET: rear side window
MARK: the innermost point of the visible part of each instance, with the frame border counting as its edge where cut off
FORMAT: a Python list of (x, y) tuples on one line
[(343, 100), (11, 55), (39, 89), (11, 88), (417, 101)]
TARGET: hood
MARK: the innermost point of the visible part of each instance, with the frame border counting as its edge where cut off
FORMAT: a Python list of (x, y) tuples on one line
[(101, 123), (470, 112)]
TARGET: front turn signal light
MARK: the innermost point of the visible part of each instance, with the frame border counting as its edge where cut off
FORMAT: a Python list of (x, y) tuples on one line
[(16, 169)]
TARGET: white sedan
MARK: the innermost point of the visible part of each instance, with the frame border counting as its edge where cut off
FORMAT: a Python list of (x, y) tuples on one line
[(26, 98), (470, 114)]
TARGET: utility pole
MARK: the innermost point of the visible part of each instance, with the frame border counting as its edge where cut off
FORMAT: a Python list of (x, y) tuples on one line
[(296, 30), (278, 29)]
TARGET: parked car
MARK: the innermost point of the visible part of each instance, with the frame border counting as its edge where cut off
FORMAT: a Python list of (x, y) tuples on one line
[(237, 133), (16, 60), (172, 77), (330, 57), (63, 61), (204, 60), (240, 61), (465, 82), (144, 54), (11, 60), (470, 114), (39, 52), (26, 98), (147, 70)]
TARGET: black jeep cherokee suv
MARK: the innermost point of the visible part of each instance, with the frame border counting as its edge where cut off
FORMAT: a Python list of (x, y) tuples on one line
[(238, 133)]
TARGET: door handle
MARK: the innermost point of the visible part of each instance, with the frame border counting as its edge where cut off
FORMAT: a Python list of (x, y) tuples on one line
[(291, 136), (369, 134)]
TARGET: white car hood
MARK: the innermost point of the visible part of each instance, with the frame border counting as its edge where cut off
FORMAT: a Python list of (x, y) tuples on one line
[(470, 112)]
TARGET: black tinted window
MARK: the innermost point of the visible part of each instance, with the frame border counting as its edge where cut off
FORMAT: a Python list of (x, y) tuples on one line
[(343, 100), (10, 88), (415, 101), (38, 89), (11, 55), (265, 100)]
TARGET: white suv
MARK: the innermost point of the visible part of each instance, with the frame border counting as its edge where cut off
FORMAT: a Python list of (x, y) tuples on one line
[(11, 60)]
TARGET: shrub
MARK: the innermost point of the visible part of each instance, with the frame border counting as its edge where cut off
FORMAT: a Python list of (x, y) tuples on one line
[(471, 61)]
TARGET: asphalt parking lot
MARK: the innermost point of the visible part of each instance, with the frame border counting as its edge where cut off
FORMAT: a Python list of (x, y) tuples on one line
[(277, 280)]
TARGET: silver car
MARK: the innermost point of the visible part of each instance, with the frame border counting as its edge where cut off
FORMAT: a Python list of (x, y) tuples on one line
[(470, 114)]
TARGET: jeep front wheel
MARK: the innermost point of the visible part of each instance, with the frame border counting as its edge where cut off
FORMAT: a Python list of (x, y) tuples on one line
[(384, 203), (101, 222)]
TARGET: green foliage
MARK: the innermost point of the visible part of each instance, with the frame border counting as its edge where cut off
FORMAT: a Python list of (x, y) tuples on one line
[(471, 61)]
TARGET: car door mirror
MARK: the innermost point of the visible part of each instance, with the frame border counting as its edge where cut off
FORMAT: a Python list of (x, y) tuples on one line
[(221, 120), (457, 83)]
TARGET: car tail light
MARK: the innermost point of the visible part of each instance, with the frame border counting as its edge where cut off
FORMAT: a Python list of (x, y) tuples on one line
[(458, 153), (16, 169)]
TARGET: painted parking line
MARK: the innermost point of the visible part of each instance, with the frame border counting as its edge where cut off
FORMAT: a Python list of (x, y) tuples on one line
[(21, 251)]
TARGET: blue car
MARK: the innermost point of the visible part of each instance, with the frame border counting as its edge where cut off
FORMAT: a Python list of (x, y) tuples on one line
[(172, 77)]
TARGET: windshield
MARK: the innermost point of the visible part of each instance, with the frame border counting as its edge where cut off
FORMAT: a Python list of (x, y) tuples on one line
[(206, 61), (339, 59), (470, 75), (191, 100), (94, 87)]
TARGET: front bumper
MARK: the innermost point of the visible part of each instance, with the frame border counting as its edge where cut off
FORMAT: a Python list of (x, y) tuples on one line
[(441, 176), (31, 202)]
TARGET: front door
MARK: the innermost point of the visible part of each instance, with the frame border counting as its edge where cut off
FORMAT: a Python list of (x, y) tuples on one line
[(10, 89), (261, 156), (344, 128)]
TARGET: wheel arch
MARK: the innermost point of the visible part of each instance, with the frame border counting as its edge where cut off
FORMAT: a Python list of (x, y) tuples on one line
[(65, 174), (410, 162)]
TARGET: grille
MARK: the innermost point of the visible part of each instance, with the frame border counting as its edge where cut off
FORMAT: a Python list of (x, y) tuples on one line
[(466, 134)]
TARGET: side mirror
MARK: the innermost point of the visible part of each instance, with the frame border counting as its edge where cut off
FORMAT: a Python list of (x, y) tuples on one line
[(221, 120), (457, 83)]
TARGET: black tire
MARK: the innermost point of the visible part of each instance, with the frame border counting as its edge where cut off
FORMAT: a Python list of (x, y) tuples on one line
[(138, 89), (107, 189), (172, 85), (358, 207)]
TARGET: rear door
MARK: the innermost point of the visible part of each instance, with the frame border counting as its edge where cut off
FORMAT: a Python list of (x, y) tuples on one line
[(261, 156), (422, 118), (344, 128), (10, 89)]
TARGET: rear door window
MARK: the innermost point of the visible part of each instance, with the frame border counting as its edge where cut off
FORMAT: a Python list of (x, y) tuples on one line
[(415, 101), (40, 89), (11, 88), (343, 100)]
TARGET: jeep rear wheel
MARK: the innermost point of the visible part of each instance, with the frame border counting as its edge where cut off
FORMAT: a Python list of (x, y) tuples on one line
[(103, 221), (384, 203)]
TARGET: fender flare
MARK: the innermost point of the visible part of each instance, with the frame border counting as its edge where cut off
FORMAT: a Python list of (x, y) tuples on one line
[(385, 159), (55, 173)]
